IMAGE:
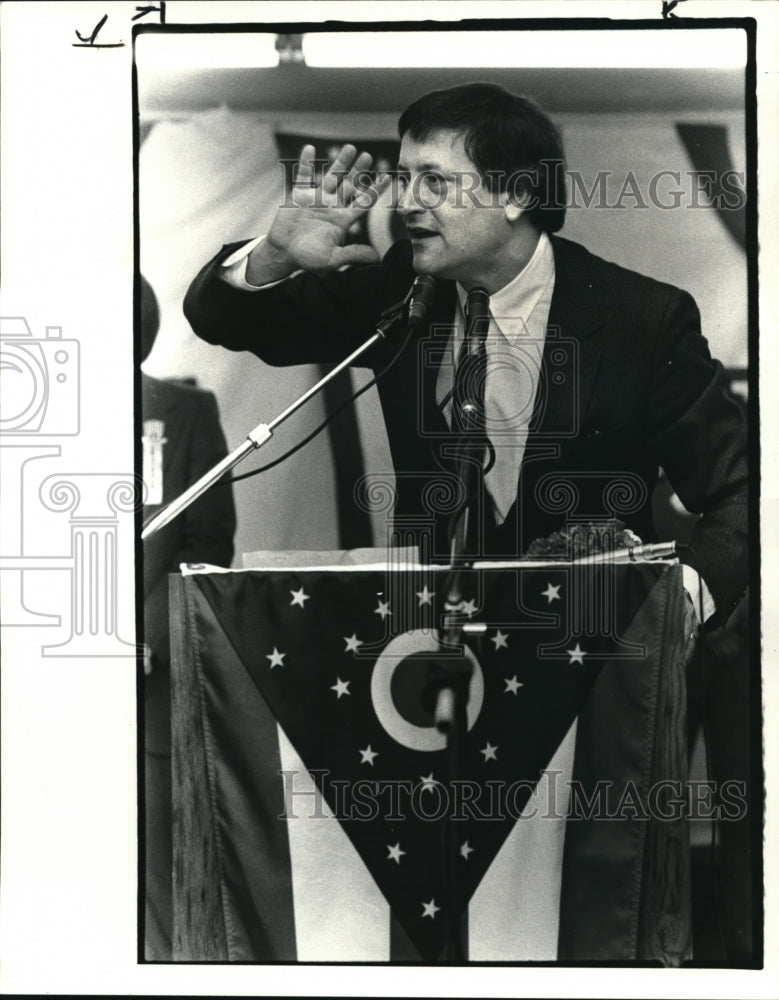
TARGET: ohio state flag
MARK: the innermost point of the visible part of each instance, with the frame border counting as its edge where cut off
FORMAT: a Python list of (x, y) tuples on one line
[(325, 797)]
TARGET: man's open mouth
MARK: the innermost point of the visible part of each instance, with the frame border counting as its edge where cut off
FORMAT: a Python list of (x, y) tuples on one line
[(419, 233)]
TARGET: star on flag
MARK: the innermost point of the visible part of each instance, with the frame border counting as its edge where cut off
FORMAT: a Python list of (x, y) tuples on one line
[(430, 909), (352, 643), (577, 654), (469, 608), (276, 658), (383, 610), (551, 593), (340, 687), (299, 597), (512, 685), (367, 754), (425, 596), (428, 782), (466, 849), (395, 853), (490, 752), (501, 640)]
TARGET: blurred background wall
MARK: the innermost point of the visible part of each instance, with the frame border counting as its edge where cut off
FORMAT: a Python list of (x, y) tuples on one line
[(208, 174)]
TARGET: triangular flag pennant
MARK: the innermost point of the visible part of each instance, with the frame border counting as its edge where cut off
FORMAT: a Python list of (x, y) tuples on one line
[(339, 659)]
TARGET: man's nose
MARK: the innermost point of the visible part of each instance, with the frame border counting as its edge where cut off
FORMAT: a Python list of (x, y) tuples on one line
[(408, 201)]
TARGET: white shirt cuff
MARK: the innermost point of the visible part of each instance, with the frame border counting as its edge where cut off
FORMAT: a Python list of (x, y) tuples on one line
[(234, 266)]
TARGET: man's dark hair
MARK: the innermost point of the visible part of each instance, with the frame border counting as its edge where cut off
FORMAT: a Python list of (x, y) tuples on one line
[(510, 141)]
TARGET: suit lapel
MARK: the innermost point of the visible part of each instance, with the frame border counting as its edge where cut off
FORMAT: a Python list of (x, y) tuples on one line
[(437, 341), (571, 353)]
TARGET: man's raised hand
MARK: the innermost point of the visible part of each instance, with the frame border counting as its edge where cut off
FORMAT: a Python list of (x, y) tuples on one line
[(310, 229)]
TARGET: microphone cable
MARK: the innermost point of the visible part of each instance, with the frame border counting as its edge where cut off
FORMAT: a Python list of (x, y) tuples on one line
[(491, 457), (328, 419)]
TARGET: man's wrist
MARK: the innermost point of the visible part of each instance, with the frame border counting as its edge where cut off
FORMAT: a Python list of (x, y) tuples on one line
[(265, 265), (233, 268)]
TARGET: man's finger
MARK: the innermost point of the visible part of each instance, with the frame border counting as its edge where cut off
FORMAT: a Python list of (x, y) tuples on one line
[(306, 167), (339, 169), (358, 178), (367, 197), (354, 253)]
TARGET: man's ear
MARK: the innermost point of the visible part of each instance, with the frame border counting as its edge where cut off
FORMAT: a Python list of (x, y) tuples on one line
[(513, 211), (516, 204)]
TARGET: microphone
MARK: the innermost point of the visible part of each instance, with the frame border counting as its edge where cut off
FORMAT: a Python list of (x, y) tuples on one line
[(478, 301), (422, 292), (418, 299), (653, 550)]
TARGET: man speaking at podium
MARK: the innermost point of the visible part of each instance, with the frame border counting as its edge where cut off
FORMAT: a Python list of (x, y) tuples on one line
[(588, 378), (623, 382)]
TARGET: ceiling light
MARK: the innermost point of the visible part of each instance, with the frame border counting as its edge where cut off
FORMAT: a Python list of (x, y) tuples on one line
[(166, 51), (698, 48)]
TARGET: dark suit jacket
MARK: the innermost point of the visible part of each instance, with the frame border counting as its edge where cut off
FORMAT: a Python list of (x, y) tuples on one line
[(202, 533), (627, 386)]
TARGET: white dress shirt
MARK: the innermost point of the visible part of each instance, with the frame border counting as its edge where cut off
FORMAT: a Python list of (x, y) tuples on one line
[(519, 313)]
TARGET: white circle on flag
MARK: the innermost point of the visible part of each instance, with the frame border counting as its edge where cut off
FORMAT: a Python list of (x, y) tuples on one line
[(400, 729)]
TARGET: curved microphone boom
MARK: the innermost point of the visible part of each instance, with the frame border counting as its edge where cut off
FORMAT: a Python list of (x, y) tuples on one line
[(419, 297)]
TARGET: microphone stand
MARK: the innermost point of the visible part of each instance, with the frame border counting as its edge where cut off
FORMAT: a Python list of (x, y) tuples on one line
[(450, 677), (262, 433)]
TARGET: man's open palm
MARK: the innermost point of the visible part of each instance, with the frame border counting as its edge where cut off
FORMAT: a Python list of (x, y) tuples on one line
[(312, 229)]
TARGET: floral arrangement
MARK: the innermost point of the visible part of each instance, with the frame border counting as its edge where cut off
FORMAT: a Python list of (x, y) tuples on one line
[(589, 538)]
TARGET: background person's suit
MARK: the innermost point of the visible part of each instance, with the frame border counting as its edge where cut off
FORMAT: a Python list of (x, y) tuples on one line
[(203, 533)]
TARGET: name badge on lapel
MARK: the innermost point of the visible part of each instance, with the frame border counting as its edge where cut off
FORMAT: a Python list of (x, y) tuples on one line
[(153, 440)]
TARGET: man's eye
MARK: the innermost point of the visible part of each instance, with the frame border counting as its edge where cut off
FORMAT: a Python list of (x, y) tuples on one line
[(434, 181)]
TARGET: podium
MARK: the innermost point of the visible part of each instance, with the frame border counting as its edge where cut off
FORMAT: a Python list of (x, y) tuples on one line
[(309, 786)]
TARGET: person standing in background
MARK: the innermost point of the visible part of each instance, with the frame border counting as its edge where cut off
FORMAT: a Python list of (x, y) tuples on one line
[(182, 439)]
